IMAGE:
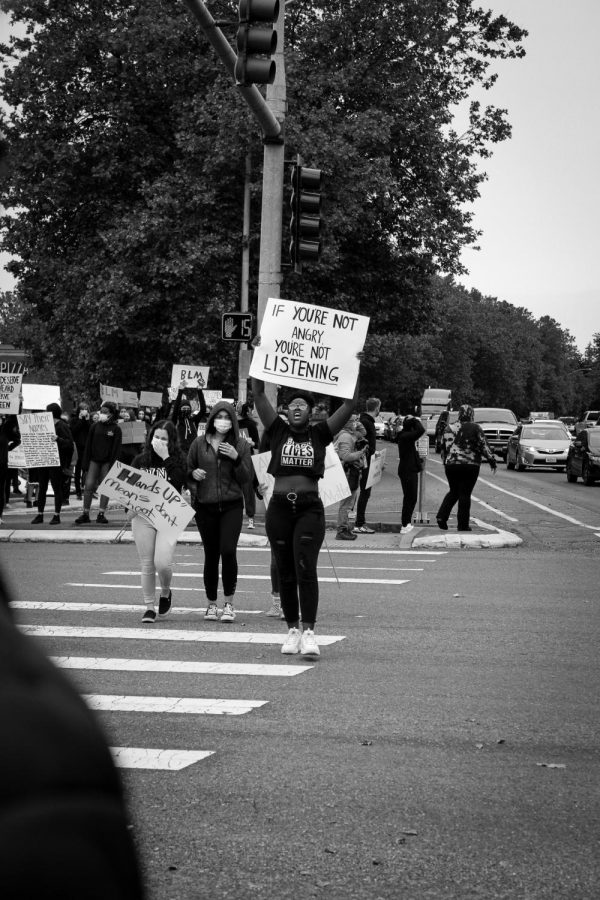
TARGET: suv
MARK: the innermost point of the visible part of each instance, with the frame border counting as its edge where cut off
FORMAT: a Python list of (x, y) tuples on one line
[(583, 460), (589, 418), (498, 425)]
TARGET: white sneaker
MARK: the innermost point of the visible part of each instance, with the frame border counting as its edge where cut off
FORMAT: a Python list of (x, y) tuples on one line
[(211, 614), (228, 614), (292, 642), (250, 523), (308, 644), (406, 529), (275, 609), (351, 514)]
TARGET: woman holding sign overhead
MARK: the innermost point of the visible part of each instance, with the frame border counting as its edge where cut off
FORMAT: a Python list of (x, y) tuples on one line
[(163, 457), (295, 521)]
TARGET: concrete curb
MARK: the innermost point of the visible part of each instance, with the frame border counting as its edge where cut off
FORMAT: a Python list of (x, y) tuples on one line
[(444, 540)]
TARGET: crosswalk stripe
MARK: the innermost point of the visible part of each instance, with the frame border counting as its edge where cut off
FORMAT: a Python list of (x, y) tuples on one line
[(222, 636), (136, 587), (322, 579), (114, 664), (114, 607), (151, 758), (186, 705)]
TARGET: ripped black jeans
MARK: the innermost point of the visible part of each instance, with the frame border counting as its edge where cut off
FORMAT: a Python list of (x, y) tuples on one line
[(296, 529)]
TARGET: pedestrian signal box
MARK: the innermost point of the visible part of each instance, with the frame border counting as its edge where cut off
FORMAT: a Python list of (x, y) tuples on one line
[(236, 326)]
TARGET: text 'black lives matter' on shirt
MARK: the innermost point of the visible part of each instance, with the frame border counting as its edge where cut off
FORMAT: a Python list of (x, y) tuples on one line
[(298, 453)]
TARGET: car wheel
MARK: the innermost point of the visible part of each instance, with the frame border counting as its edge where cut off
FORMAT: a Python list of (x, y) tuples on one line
[(571, 476), (520, 464), (585, 475)]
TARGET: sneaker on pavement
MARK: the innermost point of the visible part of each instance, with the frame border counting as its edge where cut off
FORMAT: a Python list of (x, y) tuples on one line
[(308, 644), (164, 605), (250, 523), (352, 514), (344, 534), (363, 529), (83, 519), (149, 617), (406, 529), (55, 520), (275, 608), (101, 519), (228, 615), (37, 520), (212, 613), (292, 642)]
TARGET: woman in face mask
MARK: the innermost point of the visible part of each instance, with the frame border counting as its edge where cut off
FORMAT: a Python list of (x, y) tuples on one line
[(102, 449), (218, 465), (161, 456)]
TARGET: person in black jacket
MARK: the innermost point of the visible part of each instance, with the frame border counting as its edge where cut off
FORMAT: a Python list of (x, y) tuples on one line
[(64, 828), (80, 424), (367, 420), (101, 452), (53, 475), (409, 467), (248, 429), (161, 456), (9, 438), (187, 419)]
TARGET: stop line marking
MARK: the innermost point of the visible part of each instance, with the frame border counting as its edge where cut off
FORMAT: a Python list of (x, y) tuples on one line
[(163, 634), (77, 606), (115, 664), (152, 758), (241, 576), (204, 706)]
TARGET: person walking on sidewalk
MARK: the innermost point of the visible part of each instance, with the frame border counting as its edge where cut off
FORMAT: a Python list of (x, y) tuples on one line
[(102, 450), (54, 474), (464, 448), (218, 464), (409, 466), (351, 447), (161, 456), (295, 520), (367, 420)]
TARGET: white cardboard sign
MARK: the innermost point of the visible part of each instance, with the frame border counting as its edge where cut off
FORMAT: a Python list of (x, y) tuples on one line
[(38, 439), (310, 347), (150, 495), (376, 467), (10, 392), (38, 396), (193, 376)]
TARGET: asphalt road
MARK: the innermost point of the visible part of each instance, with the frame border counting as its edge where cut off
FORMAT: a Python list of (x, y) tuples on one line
[(444, 746)]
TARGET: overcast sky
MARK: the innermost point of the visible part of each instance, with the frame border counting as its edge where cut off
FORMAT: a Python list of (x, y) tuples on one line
[(539, 209)]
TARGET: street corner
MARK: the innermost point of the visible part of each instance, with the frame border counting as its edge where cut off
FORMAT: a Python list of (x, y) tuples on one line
[(483, 537)]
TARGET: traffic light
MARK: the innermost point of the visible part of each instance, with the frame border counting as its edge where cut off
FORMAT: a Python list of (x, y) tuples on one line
[(305, 223), (236, 326), (256, 41)]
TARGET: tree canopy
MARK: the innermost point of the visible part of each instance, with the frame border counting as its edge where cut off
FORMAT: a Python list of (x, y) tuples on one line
[(124, 190)]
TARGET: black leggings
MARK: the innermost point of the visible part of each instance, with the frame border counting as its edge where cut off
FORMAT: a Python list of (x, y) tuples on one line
[(410, 493), (296, 532), (49, 475), (220, 532), (461, 480)]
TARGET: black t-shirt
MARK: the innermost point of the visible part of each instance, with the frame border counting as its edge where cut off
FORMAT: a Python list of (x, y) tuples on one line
[(298, 453)]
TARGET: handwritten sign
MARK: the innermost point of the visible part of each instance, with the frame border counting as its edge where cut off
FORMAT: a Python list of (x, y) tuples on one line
[(193, 376), (10, 392), (38, 439), (310, 347), (212, 397), (149, 495), (130, 398), (38, 396), (16, 458), (150, 398), (333, 486), (112, 394), (376, 467)]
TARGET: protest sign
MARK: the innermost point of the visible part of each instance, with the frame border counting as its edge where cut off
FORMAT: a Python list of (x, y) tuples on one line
[(16, 458), (130, 398), (192, 376), (212, 397), (38, 439), (310, 347), (10, 392), (151, 398), (333, 486), (112, 394), (150, 495), (38, 396), (133, 432), (376, 467)]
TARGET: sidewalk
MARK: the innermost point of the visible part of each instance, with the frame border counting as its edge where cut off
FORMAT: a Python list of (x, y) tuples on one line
[(16, 527)]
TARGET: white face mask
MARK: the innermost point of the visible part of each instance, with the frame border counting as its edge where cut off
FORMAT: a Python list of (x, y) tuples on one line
[(222, 425), (102, 417)]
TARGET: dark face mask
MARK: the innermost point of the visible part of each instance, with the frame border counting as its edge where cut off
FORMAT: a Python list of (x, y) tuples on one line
[(186, 411)]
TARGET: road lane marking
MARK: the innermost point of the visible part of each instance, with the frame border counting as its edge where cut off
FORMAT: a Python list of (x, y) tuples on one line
[(541, 506), (493, 509), (194, 706), (153, 758), (115, 664), (324, 580), (60, 606), (222, 636)]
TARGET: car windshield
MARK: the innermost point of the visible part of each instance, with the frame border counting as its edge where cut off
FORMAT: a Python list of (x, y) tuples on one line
[(544, 433), (594, 439), (495, 415)]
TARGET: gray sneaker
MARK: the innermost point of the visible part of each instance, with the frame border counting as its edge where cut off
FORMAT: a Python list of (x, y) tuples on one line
[(275, 609), (228, 614), (211, 614)]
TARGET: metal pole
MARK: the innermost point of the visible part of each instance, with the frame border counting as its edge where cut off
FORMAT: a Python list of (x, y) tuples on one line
[(269, 276), (244, 354)]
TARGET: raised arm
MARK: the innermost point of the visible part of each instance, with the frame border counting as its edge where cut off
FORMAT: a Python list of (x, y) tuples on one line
[(264, 409)]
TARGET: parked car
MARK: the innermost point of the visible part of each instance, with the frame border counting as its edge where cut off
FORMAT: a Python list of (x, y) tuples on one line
[(498, 425), (538, 445), (381, 422), (588, 419), (583, 460), (569, 421)]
